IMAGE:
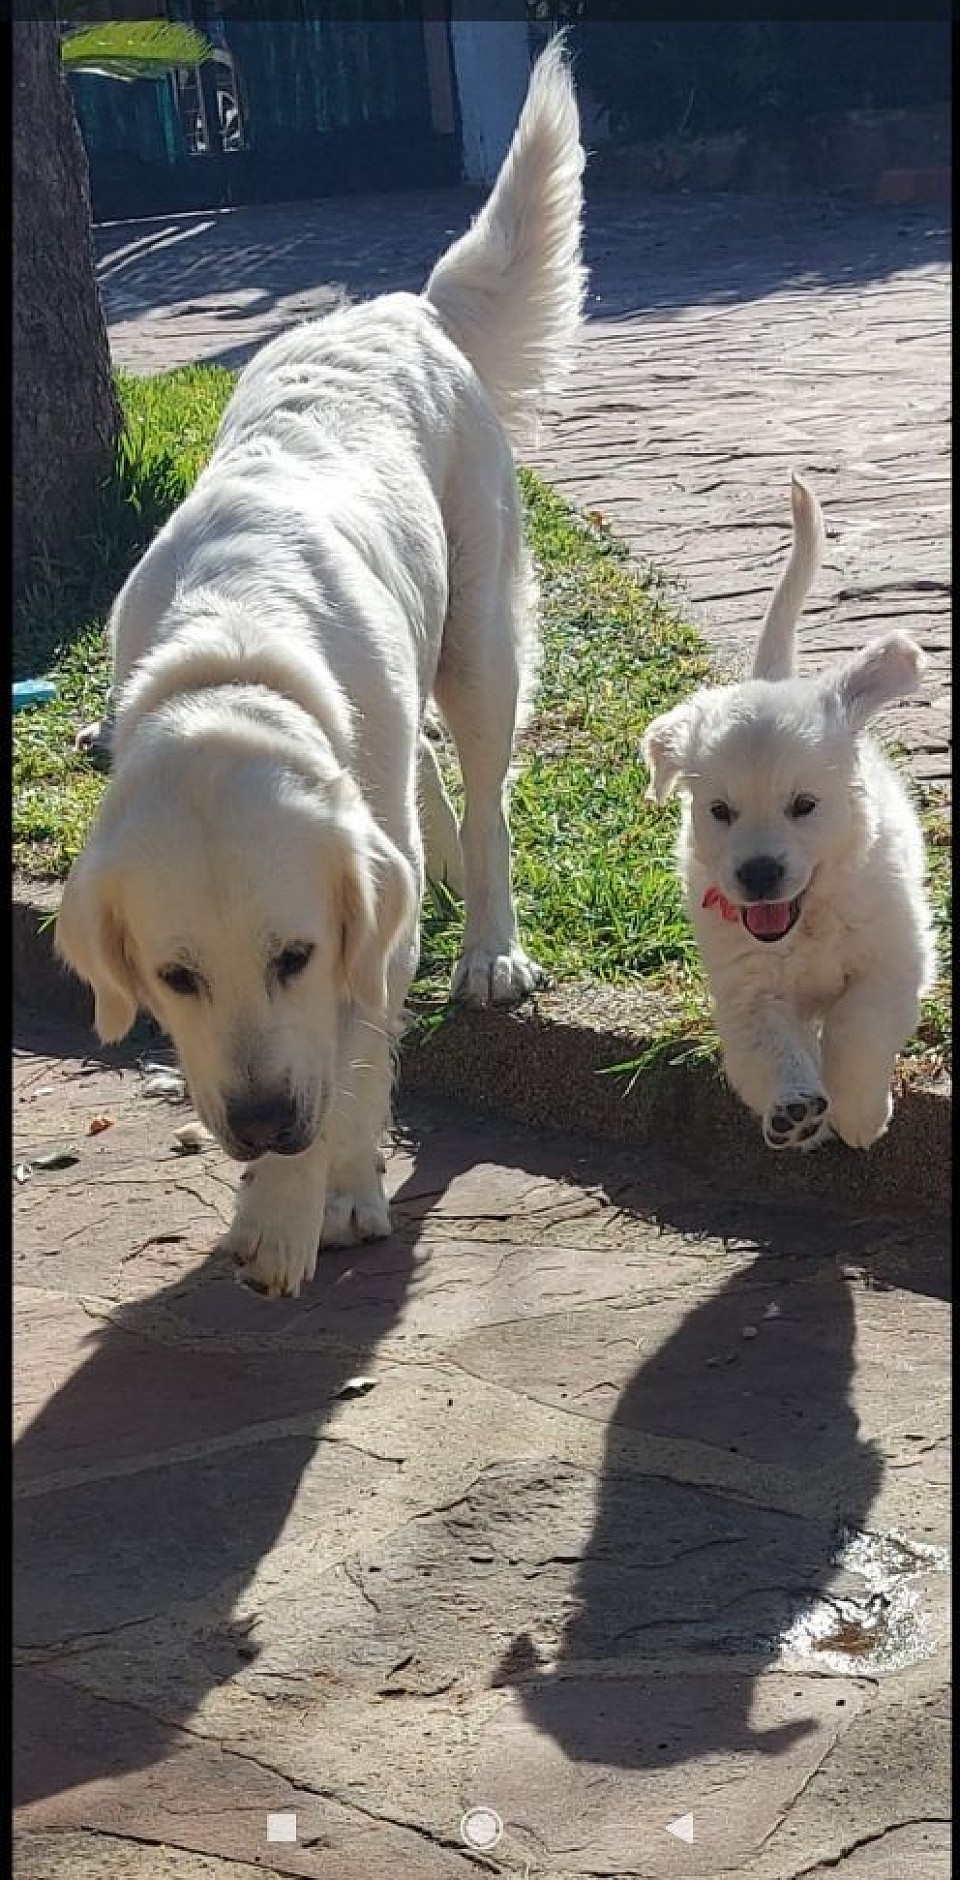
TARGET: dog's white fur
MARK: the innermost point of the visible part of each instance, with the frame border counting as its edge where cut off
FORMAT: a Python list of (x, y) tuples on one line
[(811, 1024), (353, 548)]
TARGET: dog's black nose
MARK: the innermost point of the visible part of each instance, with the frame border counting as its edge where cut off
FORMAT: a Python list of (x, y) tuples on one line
[(760, 877), (265, 1125)]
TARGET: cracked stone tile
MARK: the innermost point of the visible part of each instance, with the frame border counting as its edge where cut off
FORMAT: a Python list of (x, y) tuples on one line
[(196, 1794), (70, 1855), (920, 1850), (886, 1771), (117, 1548), (915, 1493), (683, 1369), (594, 1770)]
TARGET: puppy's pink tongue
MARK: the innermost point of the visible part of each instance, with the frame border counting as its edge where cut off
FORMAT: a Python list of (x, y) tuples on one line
[(768, 920)]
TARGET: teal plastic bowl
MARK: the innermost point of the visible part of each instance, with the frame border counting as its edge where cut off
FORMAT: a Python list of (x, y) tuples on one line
[(27, 692)]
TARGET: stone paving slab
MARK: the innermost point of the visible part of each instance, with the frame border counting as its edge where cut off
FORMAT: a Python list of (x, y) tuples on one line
[(70, 1856), (730, 340), (643, 1513)]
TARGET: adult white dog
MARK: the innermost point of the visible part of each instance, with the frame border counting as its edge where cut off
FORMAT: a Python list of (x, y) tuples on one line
[(353, 548), (802, 860)]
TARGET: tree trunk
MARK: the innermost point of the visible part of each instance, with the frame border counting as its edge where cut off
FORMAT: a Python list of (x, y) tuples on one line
[(66, 417)]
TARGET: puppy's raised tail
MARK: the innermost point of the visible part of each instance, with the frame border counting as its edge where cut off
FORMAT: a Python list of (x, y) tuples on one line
[(510, 291), (776, 654)]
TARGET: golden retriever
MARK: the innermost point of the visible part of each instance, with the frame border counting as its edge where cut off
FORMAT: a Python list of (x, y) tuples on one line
[(352, 551)]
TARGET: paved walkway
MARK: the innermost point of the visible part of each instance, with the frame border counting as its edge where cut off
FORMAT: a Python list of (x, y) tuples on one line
[(636, 1518), (730, 339)]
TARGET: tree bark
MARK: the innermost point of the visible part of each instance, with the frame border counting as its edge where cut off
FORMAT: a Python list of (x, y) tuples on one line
[(66, 417)]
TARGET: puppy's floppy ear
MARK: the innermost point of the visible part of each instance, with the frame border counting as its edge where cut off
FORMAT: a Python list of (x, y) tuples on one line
[(91, 938), (665, 746), (378, 903), (886, 671)]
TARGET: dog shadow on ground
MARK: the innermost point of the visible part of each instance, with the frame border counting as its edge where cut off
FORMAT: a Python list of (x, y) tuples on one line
[(171, 1499), (184, 1434), (685, 1591)]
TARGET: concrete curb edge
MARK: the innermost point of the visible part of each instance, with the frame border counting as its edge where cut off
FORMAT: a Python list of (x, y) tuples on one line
[(544, 1065)]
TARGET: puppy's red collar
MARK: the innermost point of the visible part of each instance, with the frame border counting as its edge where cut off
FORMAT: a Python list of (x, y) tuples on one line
[(714, 898)]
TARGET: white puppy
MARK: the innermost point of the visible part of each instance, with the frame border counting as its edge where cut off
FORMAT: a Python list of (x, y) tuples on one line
[(353, 547), (802, 860)]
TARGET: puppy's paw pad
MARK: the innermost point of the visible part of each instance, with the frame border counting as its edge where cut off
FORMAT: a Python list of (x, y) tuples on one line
[(353, 1215), (798, 1121), (486, 977)]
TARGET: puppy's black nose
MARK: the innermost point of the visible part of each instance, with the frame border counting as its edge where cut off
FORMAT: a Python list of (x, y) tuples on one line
[(265, 1125), (760, 877)]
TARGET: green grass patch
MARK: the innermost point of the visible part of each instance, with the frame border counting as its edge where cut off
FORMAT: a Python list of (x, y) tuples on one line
[(594, 877), (170, 424)]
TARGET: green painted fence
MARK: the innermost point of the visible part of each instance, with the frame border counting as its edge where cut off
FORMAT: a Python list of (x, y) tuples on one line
[(304, 107)]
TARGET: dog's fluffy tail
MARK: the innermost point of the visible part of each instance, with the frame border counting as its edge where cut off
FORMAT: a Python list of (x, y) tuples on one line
[(510, 291), (776, 654)]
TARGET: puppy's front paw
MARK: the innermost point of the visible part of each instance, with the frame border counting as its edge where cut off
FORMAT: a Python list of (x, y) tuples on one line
[(797, 1119), (487, 977), (859, 1119), (356, 1210), (275, 1234)]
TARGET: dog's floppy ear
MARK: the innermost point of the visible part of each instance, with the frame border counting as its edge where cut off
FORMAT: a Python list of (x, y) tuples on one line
[(888, 670), (378, 901), (91, 938), (665, 746)]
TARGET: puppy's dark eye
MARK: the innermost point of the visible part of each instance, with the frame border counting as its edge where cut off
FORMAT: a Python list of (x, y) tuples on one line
[(292, 961), (721, 812), (802, 806), (181, 980)]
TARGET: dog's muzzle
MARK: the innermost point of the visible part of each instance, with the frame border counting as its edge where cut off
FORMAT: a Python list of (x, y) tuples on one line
[(271, 1125)]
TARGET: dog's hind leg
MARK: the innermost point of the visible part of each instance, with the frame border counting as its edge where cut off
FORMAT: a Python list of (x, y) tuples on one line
[(441, 838), (480, 686)]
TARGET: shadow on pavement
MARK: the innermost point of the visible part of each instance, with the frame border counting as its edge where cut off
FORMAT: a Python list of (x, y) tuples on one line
[(673, 1573), (186, 1377), (285, 262)]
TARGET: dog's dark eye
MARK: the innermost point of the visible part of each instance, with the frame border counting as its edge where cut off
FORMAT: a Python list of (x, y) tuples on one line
[(721, 812), (181, 980), (292, 961), (802, 806)]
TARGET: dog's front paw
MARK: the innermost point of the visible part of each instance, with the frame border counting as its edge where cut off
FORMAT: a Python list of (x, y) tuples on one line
[(860, 1119), (275, 1234), (797, 1119), (485, 976), (356, 1210)]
